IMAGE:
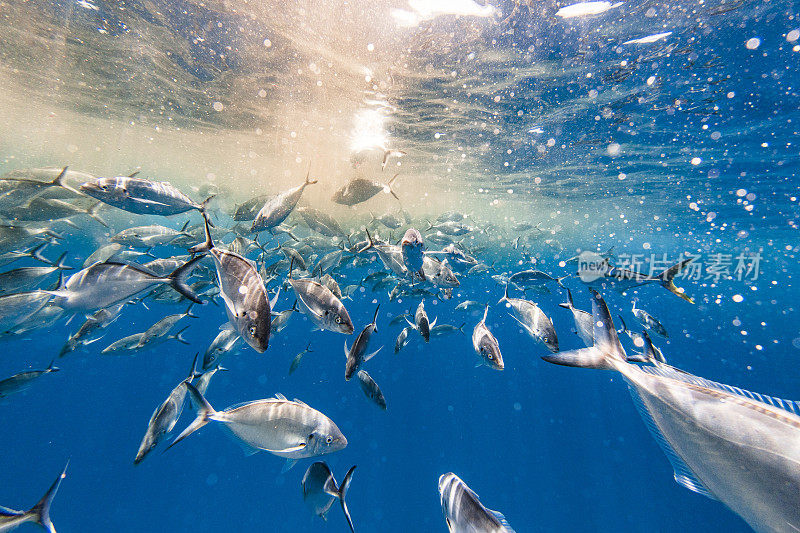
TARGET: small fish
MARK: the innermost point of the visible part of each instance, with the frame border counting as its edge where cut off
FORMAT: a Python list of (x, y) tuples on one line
[(100, 319), (22, 381), (278, 208), (320, 305), (163, 418), (298, 359), (357, 354), (533, 320), (160, 329), (16, 309), (463, 511), (360, 190), (320, 490), (27, 278), (421, 322), (583, 9), (38, 514), (648, 321), (131, 342), (446, 329), (584, 324), (225, 342), (486, 346), (413, 249), (281, 320), (388, 220), (289, 429), (249, 209), (402, 339), (532, 278), (321, 222), (371, 389), (452, 228), (650, 354), (148, 236), (470, 305)]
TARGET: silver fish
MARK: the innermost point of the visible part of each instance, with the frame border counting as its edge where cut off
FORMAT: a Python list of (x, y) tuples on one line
[(421, 322), (360, 190), (371, 389), (15, 309), (14, 238), (141, 196), (648, 321), (413, 249), (470, 305), (225, 342), (357, 354), (486, 346), (243, 291), (532, 278), (723, 442), (105, 284), (584, 324), (441, 330), (38, 514), (533, 321), (298, 359), (320, 490), (26, 278), (402, 339), (148, 236), (129, 343), (22, 381), (249, 209), (289, 429), (320, 305), (279, 207), (100, 319), (163, 419), (321, 222), (438, 273), (463, 511), (161, 329), (48, 209)]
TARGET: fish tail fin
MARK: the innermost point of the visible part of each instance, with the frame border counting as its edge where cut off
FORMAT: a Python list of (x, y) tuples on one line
[(177, 279), (461, 327), (606, 352), (569, 304), (309, 181), (92, 212), (343, 494), (40, 513), (185, 225), (60, 262), (178, 337), (369, 245), (209, 243), (505, 296), (668, 275), (562, 278), (622, 322), (375, 317), (36, 253), (204, 414), (204, 206), (389, 185), (59, 180), (189, 313)]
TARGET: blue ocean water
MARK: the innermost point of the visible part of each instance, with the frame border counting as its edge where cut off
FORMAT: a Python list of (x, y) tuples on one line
[(685, 145)]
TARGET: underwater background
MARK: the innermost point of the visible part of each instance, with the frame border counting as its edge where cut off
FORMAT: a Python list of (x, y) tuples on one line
[(684, 145)]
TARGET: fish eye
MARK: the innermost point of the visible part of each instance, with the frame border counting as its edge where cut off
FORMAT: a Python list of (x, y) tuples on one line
[(491, 357), (329, 439), (338, 320), (252, 330)]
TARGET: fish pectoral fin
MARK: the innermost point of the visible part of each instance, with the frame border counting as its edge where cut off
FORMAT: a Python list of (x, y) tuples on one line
[(373, 354), (346, 350), (502, 520), (288, 465)]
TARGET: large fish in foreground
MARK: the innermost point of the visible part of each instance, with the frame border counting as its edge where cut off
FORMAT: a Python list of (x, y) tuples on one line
[(243, 291), (533, 320), (289, 429), (141, 196), (38, 514), (726, 443), (320, 490), (463, 511), (486, 346)]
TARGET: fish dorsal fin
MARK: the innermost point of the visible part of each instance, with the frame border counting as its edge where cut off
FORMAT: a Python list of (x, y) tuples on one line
[(301, 402), (502, 520), (280, 396), (682, 473), (667, 371)]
